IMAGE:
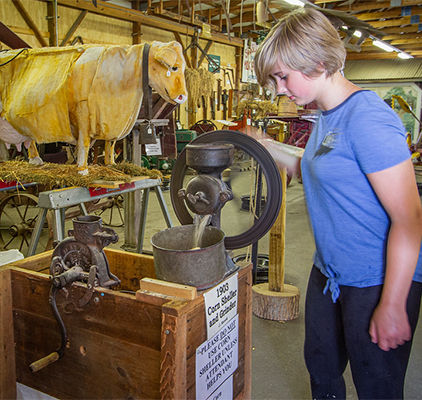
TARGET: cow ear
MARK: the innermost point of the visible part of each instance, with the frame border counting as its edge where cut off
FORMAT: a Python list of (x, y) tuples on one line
[(166, 56)]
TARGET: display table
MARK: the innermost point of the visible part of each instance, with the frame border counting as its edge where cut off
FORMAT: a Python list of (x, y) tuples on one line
[(136, 344)]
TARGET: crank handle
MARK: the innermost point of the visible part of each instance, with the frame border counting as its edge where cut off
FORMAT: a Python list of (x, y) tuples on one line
[(199, 196), (43, 362)]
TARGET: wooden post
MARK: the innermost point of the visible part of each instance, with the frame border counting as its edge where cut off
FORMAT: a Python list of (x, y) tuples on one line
[(7, 341), (276, 300), (277, 244)]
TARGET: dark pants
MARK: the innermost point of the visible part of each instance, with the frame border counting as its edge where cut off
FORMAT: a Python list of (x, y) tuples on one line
[(339, 332)]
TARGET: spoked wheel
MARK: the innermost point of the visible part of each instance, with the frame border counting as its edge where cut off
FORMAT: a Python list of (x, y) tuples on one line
[(115, 207), (18, 215), (244, 230), (203, 126)]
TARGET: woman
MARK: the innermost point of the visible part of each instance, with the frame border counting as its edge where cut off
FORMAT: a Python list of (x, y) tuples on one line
[(365, 287)]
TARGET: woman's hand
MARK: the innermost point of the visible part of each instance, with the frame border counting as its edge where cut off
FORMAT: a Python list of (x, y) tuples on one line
[(397, 190), (389, 327)]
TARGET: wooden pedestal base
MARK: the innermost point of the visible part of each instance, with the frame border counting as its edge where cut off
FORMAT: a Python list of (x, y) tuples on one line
[(278, 306)]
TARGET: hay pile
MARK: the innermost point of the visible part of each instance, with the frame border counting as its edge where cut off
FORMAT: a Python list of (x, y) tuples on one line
[(64, 175), (199, 82), (260, 109)]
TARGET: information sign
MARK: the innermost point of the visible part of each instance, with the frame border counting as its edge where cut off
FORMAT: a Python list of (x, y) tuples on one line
[(216, 360), (220, 304)]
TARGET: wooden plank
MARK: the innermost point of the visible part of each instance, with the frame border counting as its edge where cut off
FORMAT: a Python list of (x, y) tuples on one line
[(7, 341), (130, 267), (39, 262), (115, 184), (108, 311), (168, 288), (157, 299), (173, 357), (94, 366), (247, 327)]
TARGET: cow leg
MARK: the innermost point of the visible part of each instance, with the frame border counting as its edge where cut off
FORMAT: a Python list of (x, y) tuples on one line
[(83, 148), (109, 152), (33, 155)]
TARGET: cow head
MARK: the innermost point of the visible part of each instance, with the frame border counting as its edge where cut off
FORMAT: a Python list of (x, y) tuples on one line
[(167, 71)]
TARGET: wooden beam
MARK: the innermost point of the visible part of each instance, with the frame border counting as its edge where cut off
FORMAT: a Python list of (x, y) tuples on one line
[(73, 28), (136, 26), (393, 13), (370, 56), (127, 14), (10, 39), (399, 30), (391, 22), (207, 48), (179, 39), (192, 20), (31, 24)]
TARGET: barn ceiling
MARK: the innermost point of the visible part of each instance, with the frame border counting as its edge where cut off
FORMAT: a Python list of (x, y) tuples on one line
[(395, 22)]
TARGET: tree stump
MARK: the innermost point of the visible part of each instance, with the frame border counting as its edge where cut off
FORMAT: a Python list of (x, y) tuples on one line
[(277, 306)]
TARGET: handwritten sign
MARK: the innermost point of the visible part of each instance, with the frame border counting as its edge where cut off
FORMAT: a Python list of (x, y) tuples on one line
[(216, 360), (220, 304)]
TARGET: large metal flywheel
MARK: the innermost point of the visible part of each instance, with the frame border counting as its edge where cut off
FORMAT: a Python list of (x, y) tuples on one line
[(266, 164)]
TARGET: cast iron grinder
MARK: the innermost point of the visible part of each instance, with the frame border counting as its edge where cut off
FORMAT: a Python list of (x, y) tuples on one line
[(79, 257), (208, 263), (206, 193), (199, 198)]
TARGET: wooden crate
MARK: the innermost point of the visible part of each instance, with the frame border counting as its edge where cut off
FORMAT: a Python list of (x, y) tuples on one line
[(127, 344)]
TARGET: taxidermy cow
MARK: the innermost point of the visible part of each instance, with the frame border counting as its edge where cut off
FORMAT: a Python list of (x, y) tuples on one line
[(82, 93)]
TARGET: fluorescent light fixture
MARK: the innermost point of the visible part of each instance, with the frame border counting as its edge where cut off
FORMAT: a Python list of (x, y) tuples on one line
[(382, 45), (387, 47), (403, 55), (357, 33), (295, 2)]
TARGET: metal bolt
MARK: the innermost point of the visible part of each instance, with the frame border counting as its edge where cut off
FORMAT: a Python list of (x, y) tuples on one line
[(167, 332)]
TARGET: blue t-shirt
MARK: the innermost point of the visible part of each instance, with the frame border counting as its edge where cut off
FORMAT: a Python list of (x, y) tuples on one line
[(360, 136)]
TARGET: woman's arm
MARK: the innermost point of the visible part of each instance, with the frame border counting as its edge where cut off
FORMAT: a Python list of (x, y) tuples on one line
[(397, 190)]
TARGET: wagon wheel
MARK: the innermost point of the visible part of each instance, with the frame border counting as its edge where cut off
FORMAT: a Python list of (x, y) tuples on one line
[(114, 203), (18, 215), (203, 126)]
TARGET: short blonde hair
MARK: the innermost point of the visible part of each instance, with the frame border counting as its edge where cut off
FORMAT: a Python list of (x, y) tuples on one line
[(303, 40)]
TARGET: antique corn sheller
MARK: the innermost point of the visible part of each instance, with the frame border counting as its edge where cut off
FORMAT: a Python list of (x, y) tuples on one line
[(79, 257)]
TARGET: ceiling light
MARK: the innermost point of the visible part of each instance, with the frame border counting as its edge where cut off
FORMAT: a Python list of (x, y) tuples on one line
[(404, 55), (382, 45), (295, 2), (357, 33)]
